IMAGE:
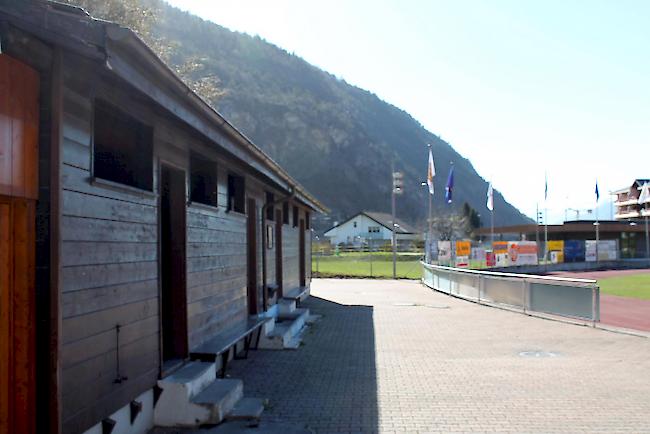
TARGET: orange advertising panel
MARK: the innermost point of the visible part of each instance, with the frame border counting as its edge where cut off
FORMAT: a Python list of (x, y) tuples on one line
[(463, 248), (500, 247)]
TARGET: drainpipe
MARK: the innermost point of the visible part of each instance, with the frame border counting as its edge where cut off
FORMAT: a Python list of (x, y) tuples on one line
[(265, 293)]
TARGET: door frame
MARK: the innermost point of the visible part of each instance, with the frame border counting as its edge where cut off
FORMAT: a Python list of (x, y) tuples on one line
[(279, 278), (251, 256), (183, 335), (302, 254)]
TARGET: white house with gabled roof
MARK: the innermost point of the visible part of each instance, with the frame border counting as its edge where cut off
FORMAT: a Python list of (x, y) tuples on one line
[(372, 228)]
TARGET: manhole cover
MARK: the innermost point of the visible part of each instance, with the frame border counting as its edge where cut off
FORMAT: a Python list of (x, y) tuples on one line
[(432, 306), (538, 354)]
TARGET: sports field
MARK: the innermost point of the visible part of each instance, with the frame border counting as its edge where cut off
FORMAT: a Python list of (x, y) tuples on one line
[(364, 264), (634, 285), (622, 283)]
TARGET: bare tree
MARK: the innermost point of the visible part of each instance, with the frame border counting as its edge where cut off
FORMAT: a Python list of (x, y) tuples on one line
[(141, 17)]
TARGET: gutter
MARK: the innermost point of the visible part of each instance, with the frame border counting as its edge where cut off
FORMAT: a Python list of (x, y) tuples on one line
[(265, 207)]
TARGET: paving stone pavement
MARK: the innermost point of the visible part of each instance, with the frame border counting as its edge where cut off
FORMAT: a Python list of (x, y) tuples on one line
[(395, 357)]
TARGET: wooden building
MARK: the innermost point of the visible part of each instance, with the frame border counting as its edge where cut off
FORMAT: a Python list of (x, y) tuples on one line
[(136, 224)]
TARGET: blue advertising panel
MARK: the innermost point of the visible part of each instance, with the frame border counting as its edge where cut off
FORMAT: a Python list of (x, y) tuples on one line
[(574, 251)]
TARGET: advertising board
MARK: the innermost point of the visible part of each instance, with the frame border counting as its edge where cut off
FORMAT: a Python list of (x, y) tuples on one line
[(463, 248), (522, 252), (444, 251), (462, 261), (558, 247), (607, 250), (574, 251), (500, 247), (478, 254)]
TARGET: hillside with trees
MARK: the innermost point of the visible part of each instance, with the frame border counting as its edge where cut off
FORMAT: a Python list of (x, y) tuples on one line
[(336, 139)]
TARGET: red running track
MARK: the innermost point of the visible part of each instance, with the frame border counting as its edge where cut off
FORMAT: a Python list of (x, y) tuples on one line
[(630, 313)]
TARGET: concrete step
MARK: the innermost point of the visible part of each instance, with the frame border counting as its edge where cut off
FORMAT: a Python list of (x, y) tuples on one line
[(286, 306), (296, 319), (190, 379), (248, 409), (287, 328), (173, 407), (218, 399)]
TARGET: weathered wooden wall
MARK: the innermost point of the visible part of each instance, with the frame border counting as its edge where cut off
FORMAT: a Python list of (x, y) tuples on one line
[(216, 266), (290, 257), (109, 272), (109, 255)]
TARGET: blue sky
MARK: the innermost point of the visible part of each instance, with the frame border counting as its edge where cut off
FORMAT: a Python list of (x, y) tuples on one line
[(519, 87)]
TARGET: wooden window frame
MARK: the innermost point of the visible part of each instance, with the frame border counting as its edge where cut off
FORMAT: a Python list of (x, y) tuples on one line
[(205, 169), (146, 142), (233, 180)]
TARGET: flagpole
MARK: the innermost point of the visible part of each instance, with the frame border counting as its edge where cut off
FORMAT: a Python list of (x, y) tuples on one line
[(545, 218), (492, 223), (545, 233), (430, 221), (597, 233), (647, 240), (537, 230), (597, 223)]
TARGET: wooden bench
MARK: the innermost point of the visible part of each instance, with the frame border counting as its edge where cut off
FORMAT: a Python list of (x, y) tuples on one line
[(221, 344), (296, 294)]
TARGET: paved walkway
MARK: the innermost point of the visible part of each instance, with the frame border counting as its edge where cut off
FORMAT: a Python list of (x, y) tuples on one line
[(376, 363)]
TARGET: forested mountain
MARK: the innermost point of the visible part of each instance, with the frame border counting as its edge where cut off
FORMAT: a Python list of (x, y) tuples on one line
[(339, 141)]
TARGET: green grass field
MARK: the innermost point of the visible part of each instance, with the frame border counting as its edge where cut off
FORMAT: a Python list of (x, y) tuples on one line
[(635, 286), (359, 264)]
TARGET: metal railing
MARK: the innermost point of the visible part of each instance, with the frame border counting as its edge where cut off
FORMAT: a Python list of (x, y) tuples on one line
[(572, 298)]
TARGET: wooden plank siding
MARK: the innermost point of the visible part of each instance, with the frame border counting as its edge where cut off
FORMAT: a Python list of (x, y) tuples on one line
[(216, 266), (290, 257), (110, 259), (109, 277), (109, 253)]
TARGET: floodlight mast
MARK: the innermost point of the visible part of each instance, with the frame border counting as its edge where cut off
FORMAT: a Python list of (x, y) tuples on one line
[(398, 188)]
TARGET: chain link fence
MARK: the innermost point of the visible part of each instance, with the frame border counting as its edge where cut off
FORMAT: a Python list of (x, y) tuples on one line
[(365, 261)]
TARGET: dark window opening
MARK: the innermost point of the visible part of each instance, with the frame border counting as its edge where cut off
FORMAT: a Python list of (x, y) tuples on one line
[(203, 181), (123, 148), (236, 193), (295, 216), (307, 220), (270, 209), (285, 213)]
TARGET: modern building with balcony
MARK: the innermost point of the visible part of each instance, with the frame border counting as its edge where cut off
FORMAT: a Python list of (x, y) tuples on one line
[(627, 202)]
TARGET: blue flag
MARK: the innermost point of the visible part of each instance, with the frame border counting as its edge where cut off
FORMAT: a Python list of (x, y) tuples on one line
[(450, 185), (545, 186), (597, 193)]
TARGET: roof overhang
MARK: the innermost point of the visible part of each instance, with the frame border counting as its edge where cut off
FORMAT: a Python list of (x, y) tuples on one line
[(121, 52)]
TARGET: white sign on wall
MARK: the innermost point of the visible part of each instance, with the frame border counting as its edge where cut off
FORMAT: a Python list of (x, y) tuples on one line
[(444, 250), (607, 250)]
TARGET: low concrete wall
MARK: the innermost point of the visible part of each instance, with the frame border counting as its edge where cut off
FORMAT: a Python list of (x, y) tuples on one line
[(622, 264)]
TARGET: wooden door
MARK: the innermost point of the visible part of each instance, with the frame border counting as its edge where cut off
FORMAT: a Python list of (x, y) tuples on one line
[(278, 251), (251, 257), (173, 265), (301, 249), (18, 192)]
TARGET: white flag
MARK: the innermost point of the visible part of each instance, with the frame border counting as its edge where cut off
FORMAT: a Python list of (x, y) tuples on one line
[(490, 198), (431, 172), (645, 194)]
